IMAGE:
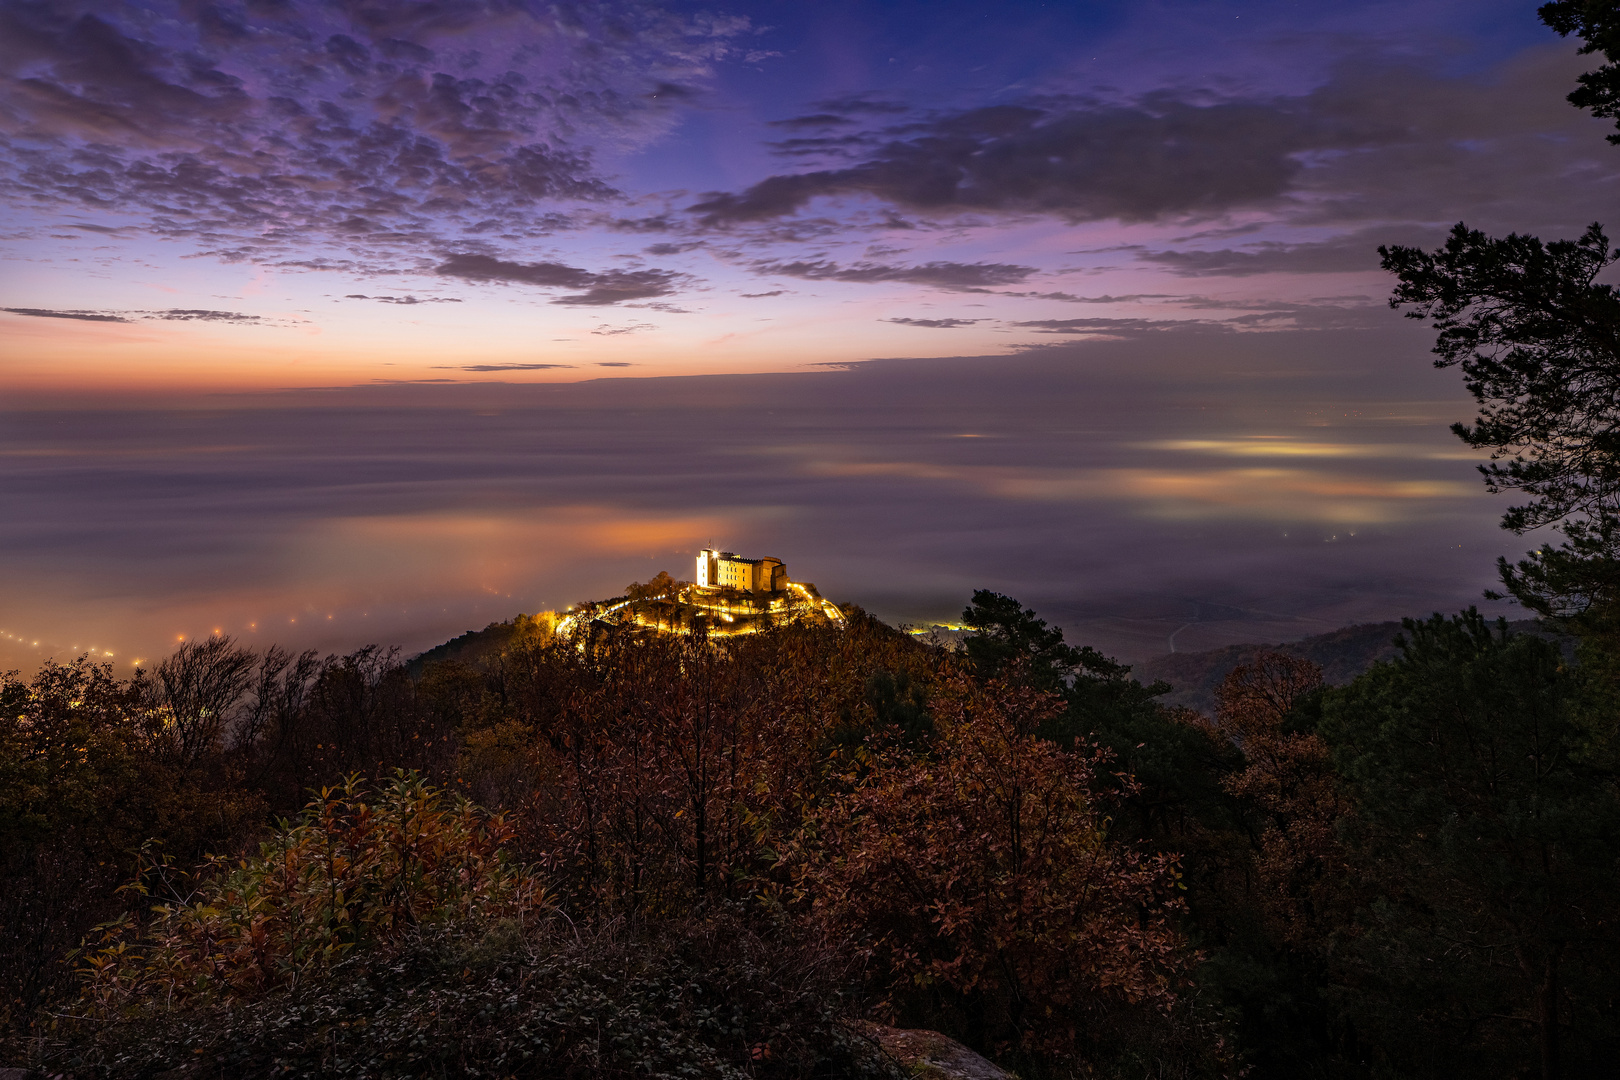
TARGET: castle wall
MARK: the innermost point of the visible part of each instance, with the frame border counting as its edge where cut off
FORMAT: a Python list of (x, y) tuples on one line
[(726, 570)]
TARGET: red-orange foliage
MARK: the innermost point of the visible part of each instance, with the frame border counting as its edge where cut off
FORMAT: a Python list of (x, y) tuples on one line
[(980, 882), (672, 768), (657, 754), (1288, 778), (971, 867)]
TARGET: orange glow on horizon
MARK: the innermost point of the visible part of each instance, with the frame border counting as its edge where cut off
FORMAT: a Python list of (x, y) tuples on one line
[(59, 355)]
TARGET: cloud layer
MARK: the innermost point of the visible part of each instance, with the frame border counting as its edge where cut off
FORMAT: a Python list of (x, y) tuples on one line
[(1378, 139), (521, 143), (938, 274), (598, 289), (1080, 160), (169, 315), (258, 128)]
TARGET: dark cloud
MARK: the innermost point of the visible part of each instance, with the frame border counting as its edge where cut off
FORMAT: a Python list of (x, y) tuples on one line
[(506, 367), (1501, 148), (1351, 252), (1111, 327), (660, 305), (1070, 298), (1352, 313), (673, 249), (404, 299), (941, 275), (655, 224), (762, 295), (611, 287), (614, 363), (199, 315), (672, 91), (169, 315), (935, 324), (860, 104), (1161, 155), (46, 313), (817, 120), (1319, 313), (842, 146), (1376, 140), (1265, 258)]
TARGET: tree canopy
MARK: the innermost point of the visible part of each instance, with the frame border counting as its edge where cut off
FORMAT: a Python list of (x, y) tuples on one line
[(1597, 23), (1537, 337), (1473, 787)]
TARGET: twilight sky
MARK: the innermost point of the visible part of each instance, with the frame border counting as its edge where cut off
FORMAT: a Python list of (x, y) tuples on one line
[(397, 318)]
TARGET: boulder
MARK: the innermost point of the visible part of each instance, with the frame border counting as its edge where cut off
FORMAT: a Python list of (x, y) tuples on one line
[(928, 1055)]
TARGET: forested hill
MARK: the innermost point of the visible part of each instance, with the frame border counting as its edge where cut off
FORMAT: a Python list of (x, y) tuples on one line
[(471, 647), (1342, 654)]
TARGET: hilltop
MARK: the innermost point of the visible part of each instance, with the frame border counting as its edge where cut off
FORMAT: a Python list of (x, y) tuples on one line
[(1342, 654), (663, 604)]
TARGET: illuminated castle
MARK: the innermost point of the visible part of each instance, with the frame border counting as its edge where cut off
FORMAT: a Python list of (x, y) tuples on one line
[(725, 570)]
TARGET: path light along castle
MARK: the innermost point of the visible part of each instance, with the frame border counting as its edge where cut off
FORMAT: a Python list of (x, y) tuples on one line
[(732, 595)]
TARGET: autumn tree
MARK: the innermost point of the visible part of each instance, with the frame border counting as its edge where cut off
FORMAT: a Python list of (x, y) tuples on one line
[(279, 695), (1172, 764), (88, 772), (70, 740), (655, 746), (1271, 890), (980, 880), (1288, 785), (194, 695), (660, 586), (359, 712), (651, 770)]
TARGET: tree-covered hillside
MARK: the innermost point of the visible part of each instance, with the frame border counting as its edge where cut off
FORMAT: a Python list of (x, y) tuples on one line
[(620, 851)]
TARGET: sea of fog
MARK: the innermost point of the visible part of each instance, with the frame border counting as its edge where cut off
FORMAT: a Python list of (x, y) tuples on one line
[(1206, 487)]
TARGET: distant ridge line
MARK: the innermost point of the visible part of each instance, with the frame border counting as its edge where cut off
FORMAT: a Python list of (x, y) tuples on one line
[(1342, 654)]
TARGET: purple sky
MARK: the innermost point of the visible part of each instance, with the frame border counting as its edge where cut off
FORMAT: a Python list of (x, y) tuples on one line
[(340, 322)]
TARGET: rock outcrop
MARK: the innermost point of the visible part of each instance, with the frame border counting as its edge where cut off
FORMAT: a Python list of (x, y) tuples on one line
[(929, 1055)]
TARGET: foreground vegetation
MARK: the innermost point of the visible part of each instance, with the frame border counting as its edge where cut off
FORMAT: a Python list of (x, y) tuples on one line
[(623, 852), (638, 853)]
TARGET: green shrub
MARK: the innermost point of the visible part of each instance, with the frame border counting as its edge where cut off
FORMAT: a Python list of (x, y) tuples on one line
[(356, 868), (717, 998)]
